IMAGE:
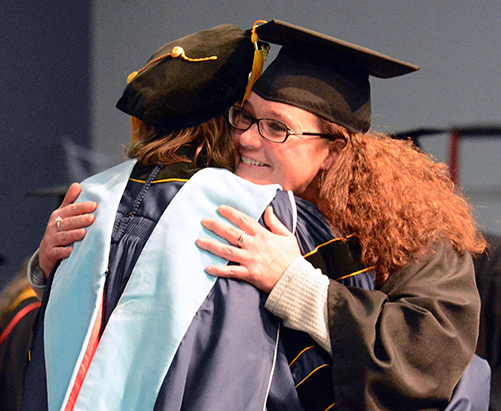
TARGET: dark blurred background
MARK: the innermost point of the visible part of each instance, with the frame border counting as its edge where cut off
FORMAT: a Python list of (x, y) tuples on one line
[(45, 76)]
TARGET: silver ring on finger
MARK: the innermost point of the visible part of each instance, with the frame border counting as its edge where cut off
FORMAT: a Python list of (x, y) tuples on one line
[(59, 219), (241, 239)]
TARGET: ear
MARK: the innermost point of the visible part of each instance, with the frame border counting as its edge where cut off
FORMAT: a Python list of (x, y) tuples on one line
[(335, 149)]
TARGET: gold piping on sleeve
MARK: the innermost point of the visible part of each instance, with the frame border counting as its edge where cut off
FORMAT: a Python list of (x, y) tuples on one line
[(324, 244), (311, 373), (356, 272), (25, 294), (319, 246), (300, 354)]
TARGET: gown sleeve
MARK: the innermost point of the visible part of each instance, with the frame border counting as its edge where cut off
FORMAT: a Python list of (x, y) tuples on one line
[(406, 345), (300, 299)]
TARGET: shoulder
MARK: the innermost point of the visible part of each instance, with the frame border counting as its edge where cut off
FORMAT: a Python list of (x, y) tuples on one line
[(312, 225), (304, 219), (438, 272)]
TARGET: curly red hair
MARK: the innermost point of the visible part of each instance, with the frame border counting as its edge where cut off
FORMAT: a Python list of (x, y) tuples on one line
[(397, 200)]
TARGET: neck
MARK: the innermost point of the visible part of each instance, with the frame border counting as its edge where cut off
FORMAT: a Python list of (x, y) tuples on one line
[(312, 192)]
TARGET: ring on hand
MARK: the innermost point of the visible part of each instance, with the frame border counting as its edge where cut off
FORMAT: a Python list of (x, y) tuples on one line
[(58, 222), (241, 239)]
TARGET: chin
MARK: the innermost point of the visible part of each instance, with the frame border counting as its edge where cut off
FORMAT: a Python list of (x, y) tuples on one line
[(253, 178)]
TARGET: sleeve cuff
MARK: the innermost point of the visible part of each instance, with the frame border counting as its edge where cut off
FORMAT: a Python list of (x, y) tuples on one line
[(300, 299), (36, 276)]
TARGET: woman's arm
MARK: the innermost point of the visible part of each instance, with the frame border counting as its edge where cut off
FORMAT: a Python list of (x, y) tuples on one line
[(272, 262), (406, 345), (58, 238)]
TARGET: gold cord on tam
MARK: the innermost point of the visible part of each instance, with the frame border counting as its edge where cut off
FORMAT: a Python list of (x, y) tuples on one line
[(177, 52), (257, 64)]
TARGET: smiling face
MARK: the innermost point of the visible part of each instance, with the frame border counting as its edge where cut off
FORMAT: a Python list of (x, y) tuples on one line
[(293, 164)]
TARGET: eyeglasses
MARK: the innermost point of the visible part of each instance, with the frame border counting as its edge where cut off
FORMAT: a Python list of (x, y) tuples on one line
[(271, 130)]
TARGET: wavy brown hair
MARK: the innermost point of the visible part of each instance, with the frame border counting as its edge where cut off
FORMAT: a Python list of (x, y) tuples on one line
[(208, 144), (396, 199)]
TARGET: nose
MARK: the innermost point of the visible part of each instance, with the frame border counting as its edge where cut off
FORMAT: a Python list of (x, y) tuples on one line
[(249, 138)]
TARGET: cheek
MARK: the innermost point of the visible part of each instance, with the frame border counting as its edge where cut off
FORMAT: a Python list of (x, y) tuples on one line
[(298, 174), (234, 136), (296, 167), (310, 165)]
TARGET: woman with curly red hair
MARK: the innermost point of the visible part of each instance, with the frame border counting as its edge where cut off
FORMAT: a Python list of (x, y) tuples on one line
[(405, 344), (398, 201)]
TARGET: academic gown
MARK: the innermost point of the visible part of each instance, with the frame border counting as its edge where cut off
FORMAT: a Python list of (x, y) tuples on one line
[(231, 356), (208, 370)]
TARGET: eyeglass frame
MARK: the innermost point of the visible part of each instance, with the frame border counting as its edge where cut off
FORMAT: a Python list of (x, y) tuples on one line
[(288, 130)]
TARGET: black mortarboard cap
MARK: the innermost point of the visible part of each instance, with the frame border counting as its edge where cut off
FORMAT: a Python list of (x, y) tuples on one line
[(323, 75), (191, 80)]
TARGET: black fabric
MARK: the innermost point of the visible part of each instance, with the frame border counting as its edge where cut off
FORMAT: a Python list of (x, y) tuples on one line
[(310, 365), (323, 75), (488, 276), (292, 79), (360, 58), (172, 93), (340, 259), (406, 345), (35, 384)]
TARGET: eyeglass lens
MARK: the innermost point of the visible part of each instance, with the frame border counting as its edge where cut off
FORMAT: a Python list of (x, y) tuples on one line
[(270, 129)]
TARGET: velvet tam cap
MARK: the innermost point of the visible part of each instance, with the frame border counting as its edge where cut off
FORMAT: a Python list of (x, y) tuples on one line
[(191, 80), (323, 75)]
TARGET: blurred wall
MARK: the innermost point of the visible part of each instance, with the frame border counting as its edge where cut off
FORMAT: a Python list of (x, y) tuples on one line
[(44, 98)]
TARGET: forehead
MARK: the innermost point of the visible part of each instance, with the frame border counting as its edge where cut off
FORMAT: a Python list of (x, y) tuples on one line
[(290, 115)]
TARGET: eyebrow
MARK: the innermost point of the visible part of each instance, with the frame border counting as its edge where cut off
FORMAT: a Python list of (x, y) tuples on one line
[(272, 116)]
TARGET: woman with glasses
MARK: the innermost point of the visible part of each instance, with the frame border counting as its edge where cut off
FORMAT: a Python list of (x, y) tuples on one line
[(406, 344), (294, 158)]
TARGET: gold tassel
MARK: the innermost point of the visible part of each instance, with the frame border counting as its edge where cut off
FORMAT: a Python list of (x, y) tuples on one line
[(258, 62), (135, 128), (135, 123)]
